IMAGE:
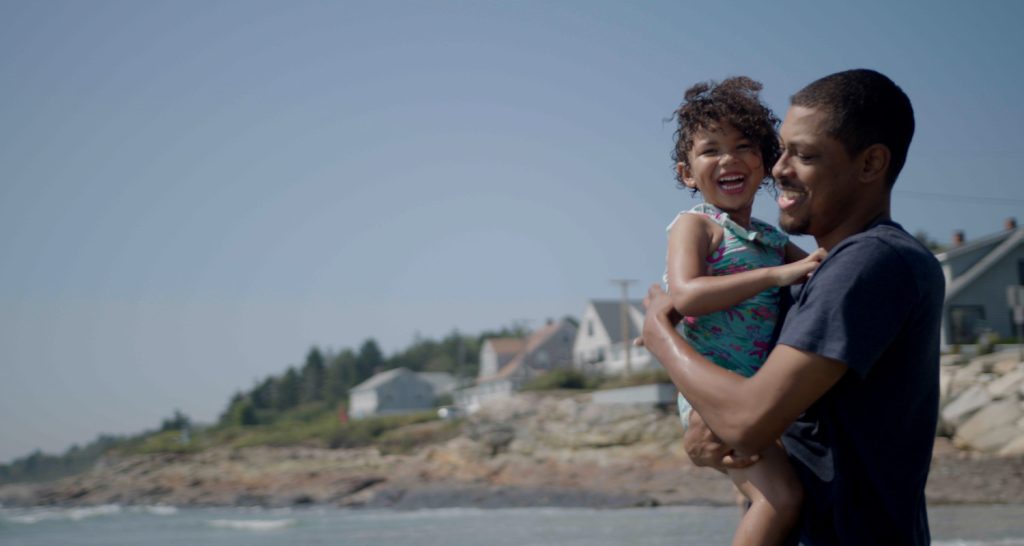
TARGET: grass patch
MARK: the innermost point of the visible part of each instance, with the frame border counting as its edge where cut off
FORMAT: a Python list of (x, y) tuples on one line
[(364, 432), (412, 437)]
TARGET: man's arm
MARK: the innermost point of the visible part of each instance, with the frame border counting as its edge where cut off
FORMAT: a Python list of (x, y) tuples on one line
[(746, 413)]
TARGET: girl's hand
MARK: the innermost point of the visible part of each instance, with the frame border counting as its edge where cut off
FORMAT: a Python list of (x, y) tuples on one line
[(799, 271), (706, 449)]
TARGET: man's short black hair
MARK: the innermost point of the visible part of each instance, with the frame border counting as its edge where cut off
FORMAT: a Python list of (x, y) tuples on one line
[(864, 107)]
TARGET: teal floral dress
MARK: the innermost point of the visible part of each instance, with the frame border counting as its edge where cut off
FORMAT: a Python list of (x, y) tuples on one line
[(738, 338)]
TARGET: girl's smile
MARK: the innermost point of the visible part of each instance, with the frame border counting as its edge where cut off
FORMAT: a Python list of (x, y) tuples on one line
[(726, 168)]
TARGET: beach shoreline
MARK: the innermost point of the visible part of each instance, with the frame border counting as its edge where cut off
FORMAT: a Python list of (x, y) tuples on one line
[(534, 450)]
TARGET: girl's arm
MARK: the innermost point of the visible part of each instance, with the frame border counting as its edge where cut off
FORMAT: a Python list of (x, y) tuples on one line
[(696, 293)]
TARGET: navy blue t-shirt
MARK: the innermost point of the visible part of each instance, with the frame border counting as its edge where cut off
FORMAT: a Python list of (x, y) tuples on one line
[(862, 451)]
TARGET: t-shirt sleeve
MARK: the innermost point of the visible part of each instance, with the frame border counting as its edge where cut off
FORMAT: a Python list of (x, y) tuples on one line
[(854, 306)]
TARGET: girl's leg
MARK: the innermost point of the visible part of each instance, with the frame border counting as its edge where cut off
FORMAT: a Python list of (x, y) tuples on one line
[(775, 496)]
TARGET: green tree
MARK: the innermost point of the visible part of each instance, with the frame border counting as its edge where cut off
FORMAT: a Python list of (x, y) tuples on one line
[(179, 421), (287, 390), (340, 376), (313, 375), (263, 394), (369, 361), (240, 412)]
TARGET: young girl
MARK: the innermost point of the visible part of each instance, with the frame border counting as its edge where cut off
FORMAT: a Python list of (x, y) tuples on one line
[(725, 269)]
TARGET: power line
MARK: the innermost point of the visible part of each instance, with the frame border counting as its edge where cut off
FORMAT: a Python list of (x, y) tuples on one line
[(961, 198)]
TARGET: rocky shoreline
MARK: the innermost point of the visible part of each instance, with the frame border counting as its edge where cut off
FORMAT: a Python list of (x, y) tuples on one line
[(535, 449)]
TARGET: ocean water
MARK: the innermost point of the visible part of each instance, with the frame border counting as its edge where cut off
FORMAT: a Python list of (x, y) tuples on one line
[(115, 525)]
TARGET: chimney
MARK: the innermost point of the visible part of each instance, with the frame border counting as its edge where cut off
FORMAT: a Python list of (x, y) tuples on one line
[(1010, 223), (958, 238)]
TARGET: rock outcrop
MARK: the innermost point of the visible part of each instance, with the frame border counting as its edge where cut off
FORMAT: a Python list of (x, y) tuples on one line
[(982, 402), (534, 449)]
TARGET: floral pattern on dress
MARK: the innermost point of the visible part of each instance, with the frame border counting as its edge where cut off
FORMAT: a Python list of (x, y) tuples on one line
[(738, 338)]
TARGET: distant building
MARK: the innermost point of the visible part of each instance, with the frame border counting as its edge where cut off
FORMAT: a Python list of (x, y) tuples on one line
[(497, 352), (601, 344), (443, 383), (399, 390), (977, 274), (506, 364)]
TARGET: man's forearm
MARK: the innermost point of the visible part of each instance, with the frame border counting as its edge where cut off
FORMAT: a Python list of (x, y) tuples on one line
[(714, 392)]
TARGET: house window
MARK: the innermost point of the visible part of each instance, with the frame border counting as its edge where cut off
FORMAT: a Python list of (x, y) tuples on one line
[(1020, 271), (965, 323), (600, 355), (590, 328)]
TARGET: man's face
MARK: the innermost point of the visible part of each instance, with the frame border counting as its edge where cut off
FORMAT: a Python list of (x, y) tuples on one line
[(815, 175)]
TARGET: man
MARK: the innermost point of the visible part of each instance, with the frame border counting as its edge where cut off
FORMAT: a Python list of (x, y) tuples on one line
[(852, 386)]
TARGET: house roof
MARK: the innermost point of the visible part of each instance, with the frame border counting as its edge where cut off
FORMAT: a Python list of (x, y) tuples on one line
[(990, 240), (1010, 240), (536, 339), (380, 379), (441, 381), (608, 312), (506, 345)]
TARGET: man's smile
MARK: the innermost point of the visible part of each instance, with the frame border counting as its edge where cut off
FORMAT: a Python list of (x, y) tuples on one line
[(789, 195)]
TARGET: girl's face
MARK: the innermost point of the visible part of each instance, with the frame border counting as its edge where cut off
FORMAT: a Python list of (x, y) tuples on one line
[(725, 167)]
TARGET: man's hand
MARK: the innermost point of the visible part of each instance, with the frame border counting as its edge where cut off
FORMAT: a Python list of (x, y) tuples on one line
[(659, 303), (706, 449)]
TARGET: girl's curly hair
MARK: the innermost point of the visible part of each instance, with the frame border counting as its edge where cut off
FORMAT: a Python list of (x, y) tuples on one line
[(734, 100)]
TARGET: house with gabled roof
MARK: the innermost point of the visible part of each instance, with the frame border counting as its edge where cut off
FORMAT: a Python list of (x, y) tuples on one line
[(601, 345), (503, 372), (497, 352), (398, 390), (977, 276)]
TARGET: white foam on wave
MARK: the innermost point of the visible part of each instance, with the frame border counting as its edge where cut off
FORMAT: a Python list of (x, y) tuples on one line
[(77, 514), (36, 515), (253, 524), (995, 542), (157, 509)]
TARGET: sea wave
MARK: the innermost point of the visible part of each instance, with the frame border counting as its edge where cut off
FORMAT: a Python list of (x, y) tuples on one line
[(36, 515), (253, 524), (157, 509), (996, 542)]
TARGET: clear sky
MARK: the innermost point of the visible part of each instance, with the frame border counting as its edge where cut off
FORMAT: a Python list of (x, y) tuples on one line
[(193, 193)]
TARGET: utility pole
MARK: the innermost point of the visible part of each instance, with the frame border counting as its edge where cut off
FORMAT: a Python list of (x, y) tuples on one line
[(624, 320), (1015, 300)]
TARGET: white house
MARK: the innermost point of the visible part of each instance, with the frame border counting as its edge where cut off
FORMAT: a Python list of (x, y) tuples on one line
[(977, 276), (601, 344), (502, 373), (399, 390)]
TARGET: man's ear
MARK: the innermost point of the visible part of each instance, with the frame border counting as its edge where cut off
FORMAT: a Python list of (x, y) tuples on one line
[(686, 175), (875, 162)]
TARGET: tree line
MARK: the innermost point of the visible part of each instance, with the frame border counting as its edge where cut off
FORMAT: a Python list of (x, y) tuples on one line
[(325, 379), (321, 382)]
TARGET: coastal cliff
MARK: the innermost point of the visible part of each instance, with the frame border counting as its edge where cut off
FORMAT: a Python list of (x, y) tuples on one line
[(534, 449)]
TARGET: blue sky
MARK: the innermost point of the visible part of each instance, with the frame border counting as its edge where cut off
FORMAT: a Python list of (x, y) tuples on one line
[(194, 193)]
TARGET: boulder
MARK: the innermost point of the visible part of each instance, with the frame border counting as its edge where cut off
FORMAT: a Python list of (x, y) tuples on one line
[(1004, 367), (968, 402), (964, 377), (946, 385), (1007, 384), (1015, 448), (992, 427), (952, 360), (992, 440)]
